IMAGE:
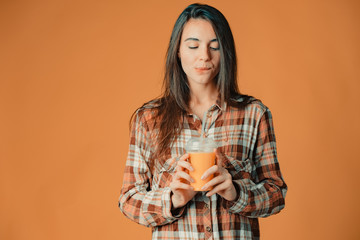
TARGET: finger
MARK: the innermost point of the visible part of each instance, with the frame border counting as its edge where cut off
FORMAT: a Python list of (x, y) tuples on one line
[(179, 185), (217, 189), (219, 157), (214, 182), (181, 165), (184, 175), (212, 170), (184, 157)]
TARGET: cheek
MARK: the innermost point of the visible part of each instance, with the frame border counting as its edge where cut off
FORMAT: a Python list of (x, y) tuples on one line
[(217, 62), (186, 61)]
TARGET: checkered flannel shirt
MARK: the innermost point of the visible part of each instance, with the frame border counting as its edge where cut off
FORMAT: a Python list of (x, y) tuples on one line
[(245, 136)]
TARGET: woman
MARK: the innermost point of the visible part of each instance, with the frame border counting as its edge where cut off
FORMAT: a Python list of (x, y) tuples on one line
[(201, 96)]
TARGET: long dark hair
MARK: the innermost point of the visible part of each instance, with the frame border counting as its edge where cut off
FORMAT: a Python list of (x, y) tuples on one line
[(174, 101)]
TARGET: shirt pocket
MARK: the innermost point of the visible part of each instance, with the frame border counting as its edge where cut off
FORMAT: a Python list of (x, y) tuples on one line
[(233, 143), (240, 169)]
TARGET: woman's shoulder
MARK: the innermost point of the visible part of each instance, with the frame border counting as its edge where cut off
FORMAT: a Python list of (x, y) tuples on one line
[(151, 105), (250, 104), (148, 110)]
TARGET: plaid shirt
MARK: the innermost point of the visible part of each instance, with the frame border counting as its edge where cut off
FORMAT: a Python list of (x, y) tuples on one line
[(245, 136)]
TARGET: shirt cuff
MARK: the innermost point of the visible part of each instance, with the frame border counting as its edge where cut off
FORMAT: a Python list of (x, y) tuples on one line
[(241, 199), (168, 213)]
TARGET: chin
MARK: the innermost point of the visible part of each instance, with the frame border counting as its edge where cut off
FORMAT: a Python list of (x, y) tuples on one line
[(202, 79)]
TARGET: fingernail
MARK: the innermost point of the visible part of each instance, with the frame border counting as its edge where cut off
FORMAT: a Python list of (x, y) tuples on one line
[(203, 188), (202, 178), (192, 180), (191, 169)]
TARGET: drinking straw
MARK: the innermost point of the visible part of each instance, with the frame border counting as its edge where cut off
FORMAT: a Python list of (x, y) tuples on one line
[(203, 127)]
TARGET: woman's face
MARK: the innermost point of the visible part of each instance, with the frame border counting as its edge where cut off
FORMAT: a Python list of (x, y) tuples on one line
[(199, 52)]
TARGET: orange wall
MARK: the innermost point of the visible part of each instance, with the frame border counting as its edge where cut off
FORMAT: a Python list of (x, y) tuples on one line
[(72, 72)]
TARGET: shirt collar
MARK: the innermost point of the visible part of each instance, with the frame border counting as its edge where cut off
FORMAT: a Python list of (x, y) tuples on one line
[(221, 107)]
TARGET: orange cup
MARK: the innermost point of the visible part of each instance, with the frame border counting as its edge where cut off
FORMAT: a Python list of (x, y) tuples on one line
[(201, 161)]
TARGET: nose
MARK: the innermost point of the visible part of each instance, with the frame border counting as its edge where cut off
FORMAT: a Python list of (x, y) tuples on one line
[(205, 54)]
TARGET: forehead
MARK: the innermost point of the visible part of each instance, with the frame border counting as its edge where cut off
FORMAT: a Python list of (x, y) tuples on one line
[(198, 28)]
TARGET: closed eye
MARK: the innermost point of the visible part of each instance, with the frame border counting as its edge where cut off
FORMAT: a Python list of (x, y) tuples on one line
[(212, 48)]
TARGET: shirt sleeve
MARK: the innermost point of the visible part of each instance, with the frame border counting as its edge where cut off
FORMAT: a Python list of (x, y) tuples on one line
[(138, 201), (260, 187)]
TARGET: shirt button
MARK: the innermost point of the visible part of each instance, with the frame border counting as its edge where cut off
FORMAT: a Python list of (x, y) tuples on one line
[(206, 205), (208, 115), (208, 229)]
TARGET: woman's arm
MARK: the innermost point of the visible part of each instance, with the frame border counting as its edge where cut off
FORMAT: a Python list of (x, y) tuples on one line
[(137, 200), (264, 194)]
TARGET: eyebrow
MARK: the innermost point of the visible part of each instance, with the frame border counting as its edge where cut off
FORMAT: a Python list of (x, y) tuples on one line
[(196, 39)]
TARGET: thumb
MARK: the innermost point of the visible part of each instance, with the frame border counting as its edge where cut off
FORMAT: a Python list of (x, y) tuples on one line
[(219, 157)]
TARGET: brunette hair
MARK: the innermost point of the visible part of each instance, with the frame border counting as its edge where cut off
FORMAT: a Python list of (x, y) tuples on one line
[(173, 103)]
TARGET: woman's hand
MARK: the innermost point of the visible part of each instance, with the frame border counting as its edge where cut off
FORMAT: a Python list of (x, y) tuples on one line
[(180, 184), (222, 182)]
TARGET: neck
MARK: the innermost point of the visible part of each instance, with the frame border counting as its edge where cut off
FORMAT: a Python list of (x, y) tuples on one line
[(202, 93), (202, 97)]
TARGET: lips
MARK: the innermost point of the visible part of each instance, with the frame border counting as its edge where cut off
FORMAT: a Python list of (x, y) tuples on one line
[(202, 69)]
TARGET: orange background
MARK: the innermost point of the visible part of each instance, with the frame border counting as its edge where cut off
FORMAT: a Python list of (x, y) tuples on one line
[(72, 73)]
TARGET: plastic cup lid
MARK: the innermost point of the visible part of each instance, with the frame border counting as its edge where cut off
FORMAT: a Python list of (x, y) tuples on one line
[(199, 144)]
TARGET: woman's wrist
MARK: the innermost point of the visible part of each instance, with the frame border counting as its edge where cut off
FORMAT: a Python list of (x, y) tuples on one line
[(174, 204), (232, 194)]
